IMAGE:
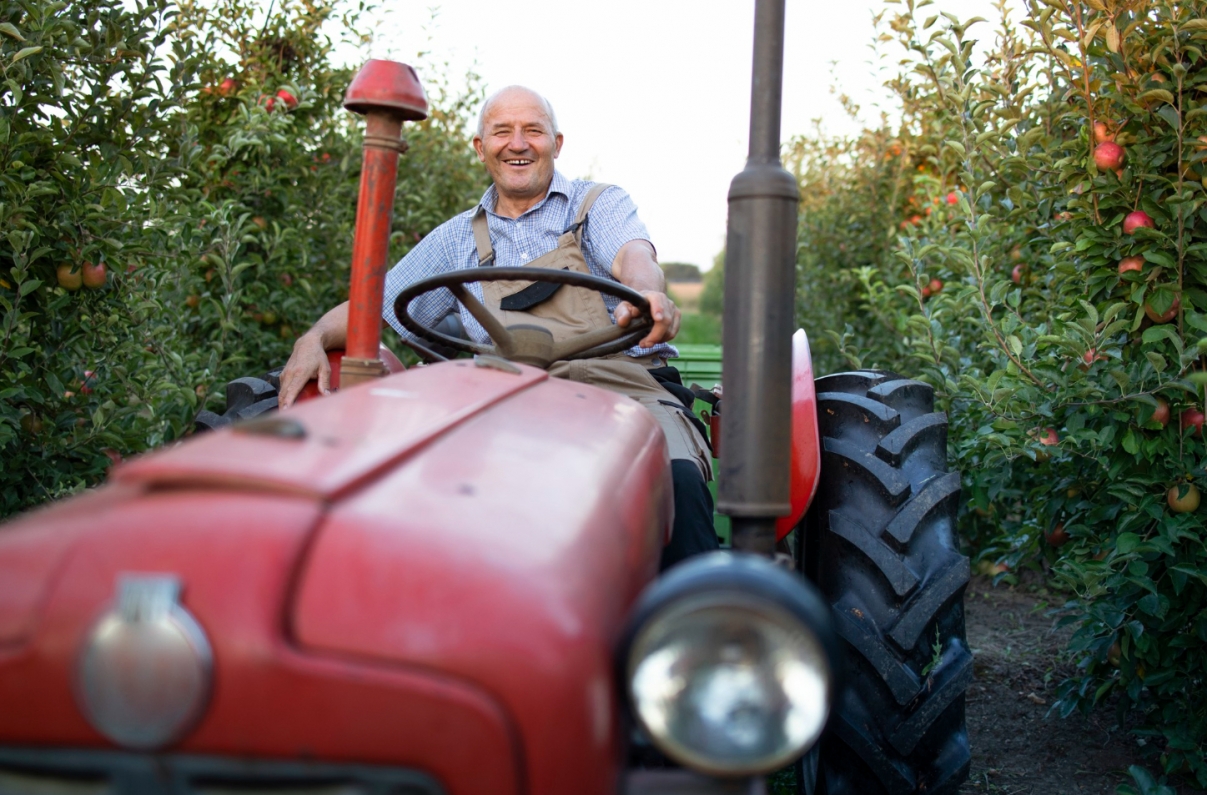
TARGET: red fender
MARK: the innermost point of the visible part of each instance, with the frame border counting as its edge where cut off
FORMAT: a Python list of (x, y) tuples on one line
[(334, 357), (806, 444)]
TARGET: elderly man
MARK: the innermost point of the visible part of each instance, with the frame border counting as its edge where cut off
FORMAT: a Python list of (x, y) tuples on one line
[(533, 216)]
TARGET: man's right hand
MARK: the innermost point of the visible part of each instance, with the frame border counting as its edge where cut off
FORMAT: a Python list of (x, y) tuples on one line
[(308, 361)]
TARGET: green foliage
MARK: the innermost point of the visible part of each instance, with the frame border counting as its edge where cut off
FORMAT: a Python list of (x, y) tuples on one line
[(698, 328), (977, 247), (712, 299), (681, 272), (156, 141)]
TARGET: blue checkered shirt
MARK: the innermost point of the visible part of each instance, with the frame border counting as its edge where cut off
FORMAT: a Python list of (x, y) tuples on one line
[(612, 222)]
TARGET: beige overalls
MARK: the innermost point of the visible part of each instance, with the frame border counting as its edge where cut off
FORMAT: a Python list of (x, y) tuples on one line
[(572, 311)]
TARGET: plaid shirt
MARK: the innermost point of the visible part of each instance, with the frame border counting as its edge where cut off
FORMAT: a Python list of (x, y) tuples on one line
[(517, 241)]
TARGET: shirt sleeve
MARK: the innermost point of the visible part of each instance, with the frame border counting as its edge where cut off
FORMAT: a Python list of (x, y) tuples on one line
[(429, 257), (611, 223)]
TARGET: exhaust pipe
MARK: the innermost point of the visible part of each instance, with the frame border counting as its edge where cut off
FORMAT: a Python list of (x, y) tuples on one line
[(387, 93), (760, 280)]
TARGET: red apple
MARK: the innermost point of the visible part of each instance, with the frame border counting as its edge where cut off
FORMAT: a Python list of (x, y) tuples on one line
[(268, 102), (70, 277), (1102, 133), (1160, 414), (953, 198), (1091, 356), (1019, 274), (1108, 156), (94, 275), (289, 99), (1165, 316), (87, 383), (1192, 418), (1135, 220), (1183, 499), (1049, 437), (1057, 536), (228, 86), (935, 286), (1131, 264)]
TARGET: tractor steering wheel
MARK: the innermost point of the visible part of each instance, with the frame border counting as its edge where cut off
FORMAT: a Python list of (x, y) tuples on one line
[(528, 344)]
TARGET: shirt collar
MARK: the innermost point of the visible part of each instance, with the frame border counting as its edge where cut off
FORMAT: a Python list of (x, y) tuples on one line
[(559, 185)]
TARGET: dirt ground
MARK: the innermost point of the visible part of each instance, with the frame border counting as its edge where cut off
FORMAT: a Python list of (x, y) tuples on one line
[(1019, 661)]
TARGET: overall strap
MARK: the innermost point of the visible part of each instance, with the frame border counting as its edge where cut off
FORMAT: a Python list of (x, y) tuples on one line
[(584, 208), (486, 253)]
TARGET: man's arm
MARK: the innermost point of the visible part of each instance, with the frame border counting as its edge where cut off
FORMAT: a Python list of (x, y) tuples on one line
[(309, 357), (635, 267)]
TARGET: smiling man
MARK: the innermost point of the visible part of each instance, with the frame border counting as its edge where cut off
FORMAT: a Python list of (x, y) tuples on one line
[(533, 216)]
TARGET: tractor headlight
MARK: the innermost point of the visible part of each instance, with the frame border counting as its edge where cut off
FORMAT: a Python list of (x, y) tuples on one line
[(730, 666)]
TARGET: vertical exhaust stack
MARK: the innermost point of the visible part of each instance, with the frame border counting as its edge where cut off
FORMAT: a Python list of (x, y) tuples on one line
[(387, 93), (760, 277)]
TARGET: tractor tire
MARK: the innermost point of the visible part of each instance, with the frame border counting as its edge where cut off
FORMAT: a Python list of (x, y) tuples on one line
[(246, 399), (880, 542)]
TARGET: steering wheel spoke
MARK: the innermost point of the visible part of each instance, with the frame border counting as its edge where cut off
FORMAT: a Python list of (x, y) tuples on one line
[(501, 337)]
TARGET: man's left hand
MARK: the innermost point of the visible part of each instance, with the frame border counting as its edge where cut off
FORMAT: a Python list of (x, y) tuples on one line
[(663, 312)]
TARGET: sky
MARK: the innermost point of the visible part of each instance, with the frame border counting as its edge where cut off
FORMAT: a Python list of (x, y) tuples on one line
[(654, 95)]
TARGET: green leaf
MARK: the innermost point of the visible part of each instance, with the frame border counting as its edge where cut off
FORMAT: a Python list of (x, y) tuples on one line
[(1130, 443), (25, 53), (1156, 93), (1126, 542), (10, 30)]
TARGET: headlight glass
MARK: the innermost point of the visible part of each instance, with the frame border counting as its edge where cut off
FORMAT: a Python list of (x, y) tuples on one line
[(729, 684)]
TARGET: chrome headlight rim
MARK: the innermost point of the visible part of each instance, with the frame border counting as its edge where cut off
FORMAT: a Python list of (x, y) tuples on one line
[(740, 580)]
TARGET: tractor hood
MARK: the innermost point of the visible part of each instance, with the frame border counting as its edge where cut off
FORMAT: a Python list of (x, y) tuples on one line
[(507, 555)]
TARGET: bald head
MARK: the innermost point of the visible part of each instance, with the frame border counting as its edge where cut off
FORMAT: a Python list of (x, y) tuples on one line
[(516, 92)]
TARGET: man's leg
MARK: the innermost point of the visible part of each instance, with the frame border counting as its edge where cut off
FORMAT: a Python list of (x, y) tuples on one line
[(693, 532)]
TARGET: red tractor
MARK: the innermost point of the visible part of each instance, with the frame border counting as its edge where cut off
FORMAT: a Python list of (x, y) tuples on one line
[(445, 579)]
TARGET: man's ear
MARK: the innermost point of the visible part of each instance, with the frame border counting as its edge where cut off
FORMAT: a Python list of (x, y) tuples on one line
[(481, 150), (557, 145)]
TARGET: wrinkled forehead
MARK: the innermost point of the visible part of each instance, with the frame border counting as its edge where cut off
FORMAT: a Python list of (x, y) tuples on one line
[(517, 107)]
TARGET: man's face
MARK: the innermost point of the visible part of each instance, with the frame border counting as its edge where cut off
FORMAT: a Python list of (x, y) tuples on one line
[(518, 146)]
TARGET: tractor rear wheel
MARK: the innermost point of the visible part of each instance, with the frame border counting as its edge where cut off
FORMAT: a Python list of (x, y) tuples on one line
[(880, 542)]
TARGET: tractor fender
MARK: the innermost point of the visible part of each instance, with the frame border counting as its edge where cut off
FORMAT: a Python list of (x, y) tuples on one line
[(806, 447)]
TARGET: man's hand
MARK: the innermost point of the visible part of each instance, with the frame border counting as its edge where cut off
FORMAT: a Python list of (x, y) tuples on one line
[(663, 312), (635, 266), (308, 361), (309, 357)]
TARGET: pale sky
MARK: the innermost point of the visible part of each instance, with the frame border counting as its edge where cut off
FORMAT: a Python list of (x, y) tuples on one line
[(654, 95)]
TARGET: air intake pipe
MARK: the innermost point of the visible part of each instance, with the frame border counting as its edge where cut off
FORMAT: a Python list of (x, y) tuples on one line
[(760, 276), (387, 93)]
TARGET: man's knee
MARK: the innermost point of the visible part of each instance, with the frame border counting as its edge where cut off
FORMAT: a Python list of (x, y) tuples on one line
[(693, 532)]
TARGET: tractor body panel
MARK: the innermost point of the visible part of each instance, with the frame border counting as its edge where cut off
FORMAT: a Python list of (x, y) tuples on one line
[(432, 578), (508, 557)]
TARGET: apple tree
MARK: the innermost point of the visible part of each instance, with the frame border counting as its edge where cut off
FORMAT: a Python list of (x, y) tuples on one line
[(1031, 238)]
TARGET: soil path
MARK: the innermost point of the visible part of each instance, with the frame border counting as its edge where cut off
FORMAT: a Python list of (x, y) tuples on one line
[(1016, 749)]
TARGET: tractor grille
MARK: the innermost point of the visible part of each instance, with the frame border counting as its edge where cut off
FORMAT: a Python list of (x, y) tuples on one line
[(28, 771)]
